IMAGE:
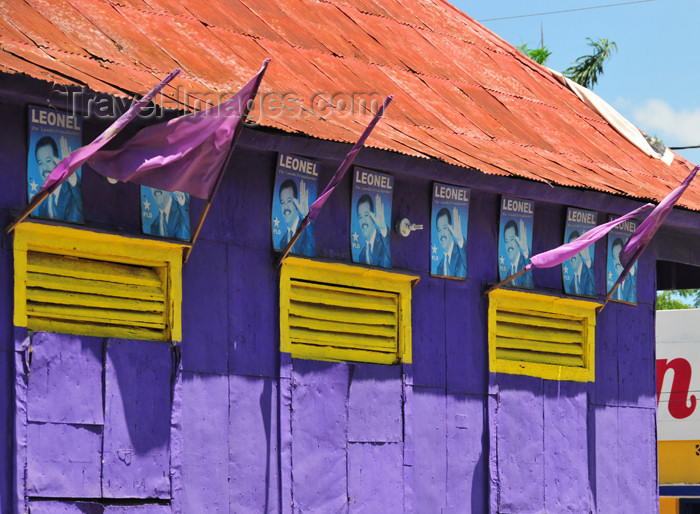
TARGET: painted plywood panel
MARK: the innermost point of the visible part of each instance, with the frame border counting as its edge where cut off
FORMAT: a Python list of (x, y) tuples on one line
[(204, 436), (607, 453), (63, 460), (566, 447), (65, 366), (637, 459), (375, 477), (84, 507), (636, 362), (137, 419), (374, 404), (467, 454), (428, 341), (6, 451), (253, 325), (606, 386), (466, 337), (520, 444), (319, 434), (205, 345), (430, 460), (253, 449)]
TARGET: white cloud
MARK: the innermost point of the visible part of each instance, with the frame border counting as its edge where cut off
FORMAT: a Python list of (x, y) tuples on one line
[(657, 118)]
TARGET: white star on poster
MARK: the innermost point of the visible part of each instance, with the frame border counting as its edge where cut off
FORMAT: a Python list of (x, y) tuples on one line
[(502, 260), (276, 221), (434, 249), (147, 205), (34, 186), (566, 269), (609, 275), (355, 236)]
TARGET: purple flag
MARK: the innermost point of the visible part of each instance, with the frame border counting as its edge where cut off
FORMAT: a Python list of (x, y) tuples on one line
[(75, 160), (184, 154), (566, 251), (335, 179), (646, 230), (641, 237), (347, 162)]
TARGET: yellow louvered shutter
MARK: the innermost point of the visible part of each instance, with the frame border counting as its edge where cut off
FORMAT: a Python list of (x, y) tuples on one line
[(80, 282), (542, 336), (344, 313)]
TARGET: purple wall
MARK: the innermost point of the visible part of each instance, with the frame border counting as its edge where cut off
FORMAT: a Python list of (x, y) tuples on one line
[(242, 429)]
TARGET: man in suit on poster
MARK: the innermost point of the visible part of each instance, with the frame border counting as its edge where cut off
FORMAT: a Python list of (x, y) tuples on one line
[(376, 250), (170, 221), (454, 260), (518, 252), (65, 202), (295, 205), (627, 291), (583, 281)]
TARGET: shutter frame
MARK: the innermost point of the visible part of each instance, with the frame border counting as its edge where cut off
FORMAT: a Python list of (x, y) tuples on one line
[(338, 312), (541, 336), (83, 282)]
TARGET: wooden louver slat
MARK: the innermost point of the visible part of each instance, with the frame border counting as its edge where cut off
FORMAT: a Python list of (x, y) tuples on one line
[(339, 317), (540, 338), (95, 297)]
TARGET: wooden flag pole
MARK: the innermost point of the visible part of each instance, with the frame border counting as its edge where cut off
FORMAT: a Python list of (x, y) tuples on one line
[(618, 282), (300, 230), (36, 201), (506, 280)]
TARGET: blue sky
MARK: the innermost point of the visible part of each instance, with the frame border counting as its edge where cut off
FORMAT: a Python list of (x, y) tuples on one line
[(653, 79)]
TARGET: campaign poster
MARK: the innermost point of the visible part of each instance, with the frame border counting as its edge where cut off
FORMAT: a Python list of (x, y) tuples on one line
[(617, 238), (578, 271), (53, 135), (515, 240), (448, 231), (295, 190), (370, 223), (165, 213)]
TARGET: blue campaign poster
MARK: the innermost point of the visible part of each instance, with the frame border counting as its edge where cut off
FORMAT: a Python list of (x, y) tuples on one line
[(53, 135), (448, 231), (578, 271), (370, 225), (165, 213), (515, 239), (296, 183), (617, 238)]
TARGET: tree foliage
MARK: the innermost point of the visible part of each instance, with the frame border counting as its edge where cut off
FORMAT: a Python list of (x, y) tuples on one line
[(539, 55), (586, 69), (677, 299)]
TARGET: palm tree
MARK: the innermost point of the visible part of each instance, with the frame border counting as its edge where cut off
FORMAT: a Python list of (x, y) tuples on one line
[(587, 68)]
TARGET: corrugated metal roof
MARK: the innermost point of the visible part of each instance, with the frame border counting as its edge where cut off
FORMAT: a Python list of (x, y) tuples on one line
[(462, 94)]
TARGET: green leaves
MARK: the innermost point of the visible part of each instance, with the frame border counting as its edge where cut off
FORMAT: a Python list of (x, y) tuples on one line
[(539, 55), (586, 69)]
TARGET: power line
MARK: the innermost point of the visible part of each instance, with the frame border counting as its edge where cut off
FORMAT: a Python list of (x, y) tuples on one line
[(566, 10), (682, 147)]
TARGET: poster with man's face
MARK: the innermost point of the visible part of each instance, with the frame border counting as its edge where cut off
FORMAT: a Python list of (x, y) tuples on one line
[(577, 272), (617, 238), (448, 231), (370, 225), (165, 213), (515, 240), (53, 135), (295, 190)]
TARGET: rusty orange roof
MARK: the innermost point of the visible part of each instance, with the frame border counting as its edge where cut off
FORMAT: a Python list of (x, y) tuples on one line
[(462, 94)]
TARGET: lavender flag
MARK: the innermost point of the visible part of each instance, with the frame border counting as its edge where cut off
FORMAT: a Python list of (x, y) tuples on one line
[(561, 253), (184, 154), (76, 159), (335, 179), (67, 166), (646, 230)]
